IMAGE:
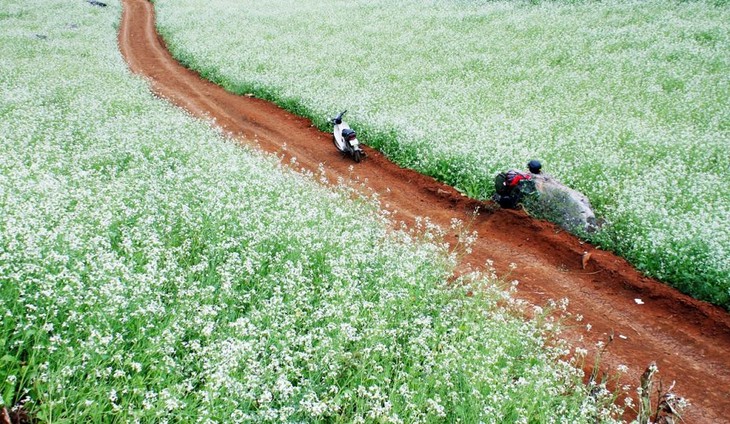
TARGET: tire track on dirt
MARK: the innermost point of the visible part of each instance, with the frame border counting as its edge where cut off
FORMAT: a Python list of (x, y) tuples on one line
[(688, 339)]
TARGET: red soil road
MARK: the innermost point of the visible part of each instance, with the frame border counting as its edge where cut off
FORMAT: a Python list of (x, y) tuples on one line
[(688, 339)]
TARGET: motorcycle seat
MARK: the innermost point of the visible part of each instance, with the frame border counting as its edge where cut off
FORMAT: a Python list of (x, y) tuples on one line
[(348, 134)]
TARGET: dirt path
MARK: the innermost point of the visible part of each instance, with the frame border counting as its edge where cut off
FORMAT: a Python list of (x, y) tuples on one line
[(688, 339)]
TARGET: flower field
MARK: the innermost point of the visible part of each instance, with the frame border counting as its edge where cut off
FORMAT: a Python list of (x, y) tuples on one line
[(152, 270), (626, 101)]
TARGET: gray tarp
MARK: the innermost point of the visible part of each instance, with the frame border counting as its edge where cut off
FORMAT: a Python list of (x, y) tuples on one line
[(570, 207)]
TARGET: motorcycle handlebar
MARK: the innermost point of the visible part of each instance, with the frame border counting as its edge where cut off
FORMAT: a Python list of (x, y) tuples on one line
[(338, 118)]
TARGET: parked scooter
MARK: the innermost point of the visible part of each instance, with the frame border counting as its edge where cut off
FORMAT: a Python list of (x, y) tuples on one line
[(345, 138)]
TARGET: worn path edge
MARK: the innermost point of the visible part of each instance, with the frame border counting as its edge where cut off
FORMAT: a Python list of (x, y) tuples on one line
[(688, 339)]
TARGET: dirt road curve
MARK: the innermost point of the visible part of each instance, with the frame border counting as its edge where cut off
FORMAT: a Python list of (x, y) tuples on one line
[(689, 340)]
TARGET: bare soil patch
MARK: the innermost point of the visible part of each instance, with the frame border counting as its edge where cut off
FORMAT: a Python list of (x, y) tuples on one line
[(688, 339)]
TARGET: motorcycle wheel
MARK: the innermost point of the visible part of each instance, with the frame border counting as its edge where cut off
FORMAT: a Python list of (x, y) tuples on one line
[(357, 156)]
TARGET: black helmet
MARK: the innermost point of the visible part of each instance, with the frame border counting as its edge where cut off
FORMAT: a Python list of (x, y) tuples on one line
[(534, 166)]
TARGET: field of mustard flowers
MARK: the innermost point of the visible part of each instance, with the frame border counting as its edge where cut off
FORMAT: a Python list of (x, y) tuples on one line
[(152, 270), (627, 101)]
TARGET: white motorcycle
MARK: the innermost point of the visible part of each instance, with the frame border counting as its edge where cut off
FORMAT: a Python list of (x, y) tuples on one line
[(345, 138)]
